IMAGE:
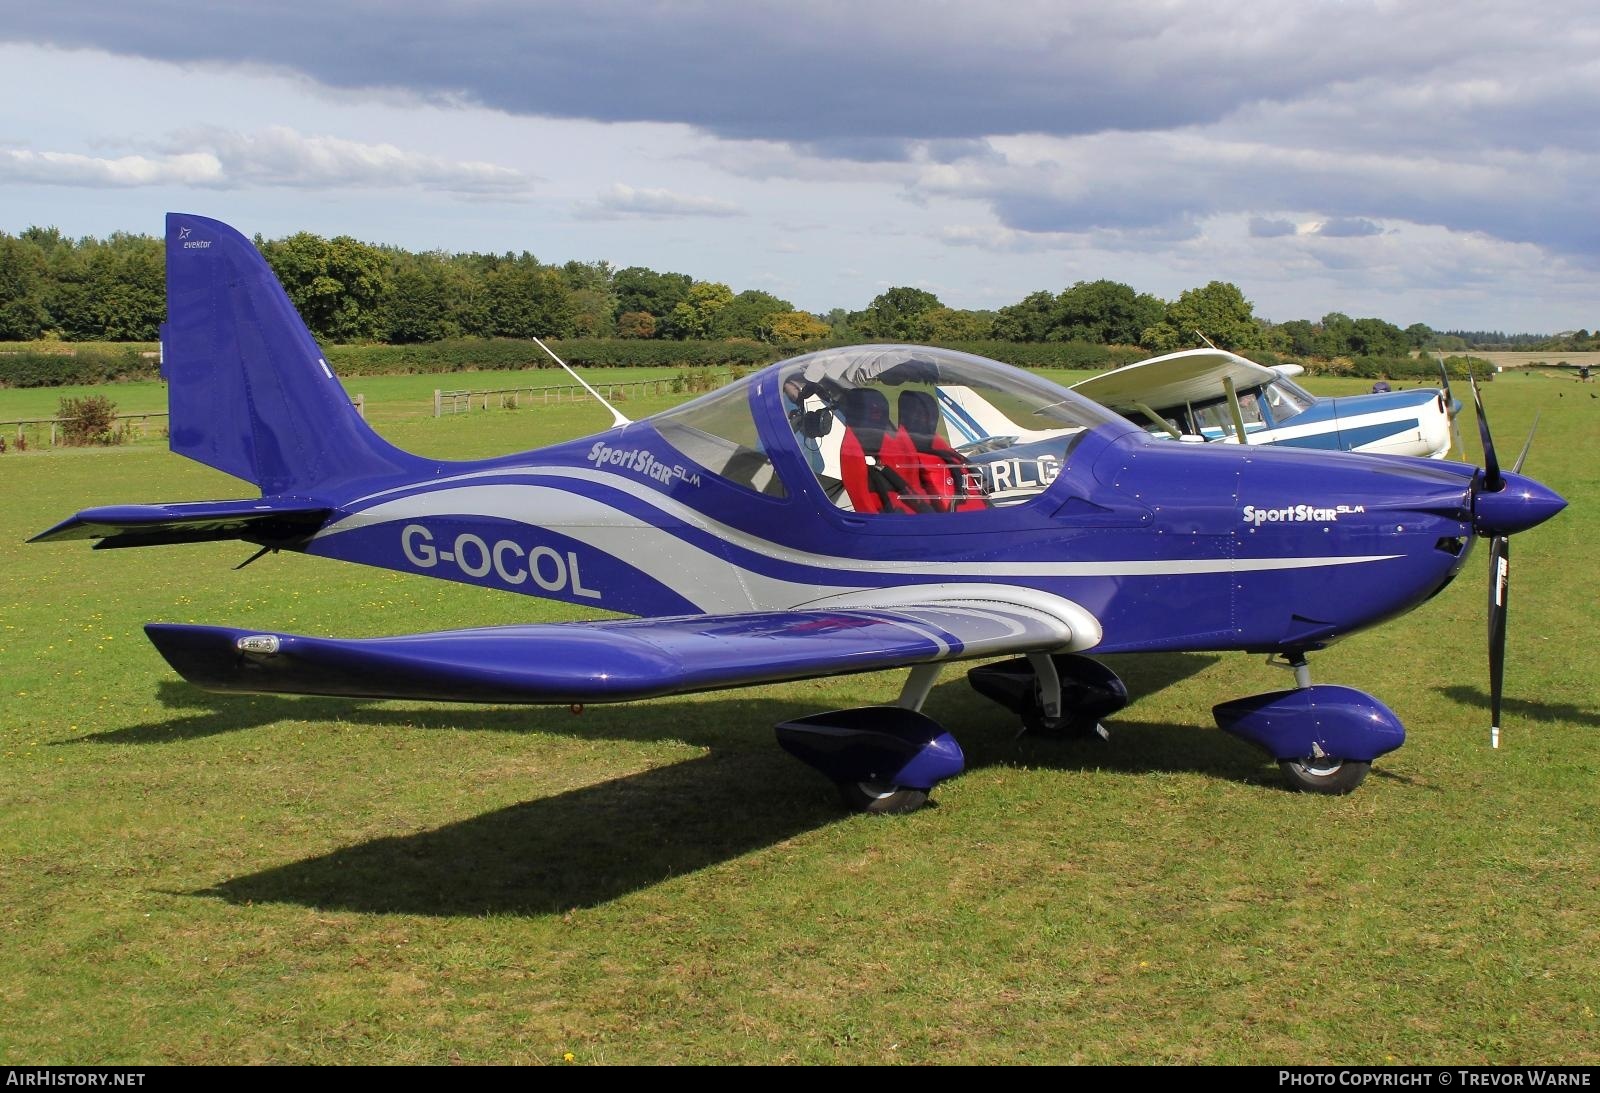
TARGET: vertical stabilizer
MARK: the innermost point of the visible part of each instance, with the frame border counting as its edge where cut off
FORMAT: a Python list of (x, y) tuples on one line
[(249, 391)]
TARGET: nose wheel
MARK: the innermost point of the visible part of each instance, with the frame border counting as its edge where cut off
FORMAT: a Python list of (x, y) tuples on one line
[(1323, 736), (1325, 774)]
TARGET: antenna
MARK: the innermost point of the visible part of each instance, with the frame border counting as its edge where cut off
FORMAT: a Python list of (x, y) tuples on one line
[(1205, 339), (617, 419)]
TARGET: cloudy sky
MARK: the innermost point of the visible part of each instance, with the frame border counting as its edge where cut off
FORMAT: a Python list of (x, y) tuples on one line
[(1416, 161)]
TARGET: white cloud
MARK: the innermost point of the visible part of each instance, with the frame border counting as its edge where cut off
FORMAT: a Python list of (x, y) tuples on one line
[(72, 169), (280, 156), (276, 156), (625, 202), (1004, 150)]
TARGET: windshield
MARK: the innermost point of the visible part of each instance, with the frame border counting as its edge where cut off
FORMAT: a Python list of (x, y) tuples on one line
[(719, 433), (911, 429), (1286, 398)]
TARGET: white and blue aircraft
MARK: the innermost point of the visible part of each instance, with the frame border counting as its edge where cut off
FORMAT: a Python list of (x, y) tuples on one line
[(1219, 396), (749, 556), (1214, 395)]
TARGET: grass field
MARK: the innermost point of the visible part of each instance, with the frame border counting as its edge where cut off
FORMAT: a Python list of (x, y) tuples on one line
[(190, 878), (389, 399)]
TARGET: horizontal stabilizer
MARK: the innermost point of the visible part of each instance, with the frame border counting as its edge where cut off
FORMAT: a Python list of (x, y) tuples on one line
[(609, 661), (264, 521)]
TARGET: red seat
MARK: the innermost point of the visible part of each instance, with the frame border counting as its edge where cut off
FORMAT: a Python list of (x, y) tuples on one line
[(872, 456), (940, 472)]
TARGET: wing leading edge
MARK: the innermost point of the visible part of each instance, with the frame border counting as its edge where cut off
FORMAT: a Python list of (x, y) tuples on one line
[(621, 660)]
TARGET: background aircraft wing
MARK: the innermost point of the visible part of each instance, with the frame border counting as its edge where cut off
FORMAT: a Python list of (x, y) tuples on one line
[(620, 660), (1194, 375)]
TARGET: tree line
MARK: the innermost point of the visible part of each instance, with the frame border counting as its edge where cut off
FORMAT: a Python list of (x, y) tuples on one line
[(112, 289)]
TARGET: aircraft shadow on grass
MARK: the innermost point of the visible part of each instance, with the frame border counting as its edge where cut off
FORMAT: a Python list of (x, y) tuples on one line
[(1522, 708), (591, 845)]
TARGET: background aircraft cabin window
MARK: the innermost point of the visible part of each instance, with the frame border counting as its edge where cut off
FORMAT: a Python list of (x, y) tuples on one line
[(1286, 399), (1215, 419), (719, 433)]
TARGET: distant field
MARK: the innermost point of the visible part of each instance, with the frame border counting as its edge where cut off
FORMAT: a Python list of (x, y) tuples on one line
[(1524, 360), (402, 398), (197, 879), (391, 398)]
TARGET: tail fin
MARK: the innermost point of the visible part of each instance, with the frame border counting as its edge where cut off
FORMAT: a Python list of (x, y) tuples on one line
[(249, 391)]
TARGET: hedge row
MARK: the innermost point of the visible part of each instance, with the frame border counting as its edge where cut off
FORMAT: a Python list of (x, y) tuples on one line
[(1398, 368), (91, 364), (85, 365), (467, 354)]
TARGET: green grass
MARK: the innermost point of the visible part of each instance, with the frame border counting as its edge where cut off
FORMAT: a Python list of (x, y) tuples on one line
[(389, 399), (191, 878)]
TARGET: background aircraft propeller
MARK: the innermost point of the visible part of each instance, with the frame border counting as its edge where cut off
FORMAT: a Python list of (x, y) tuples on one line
[(1452, 411)]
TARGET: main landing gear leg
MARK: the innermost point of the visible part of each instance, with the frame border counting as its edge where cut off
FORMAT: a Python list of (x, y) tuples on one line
[(918, 684), (1055, 694)]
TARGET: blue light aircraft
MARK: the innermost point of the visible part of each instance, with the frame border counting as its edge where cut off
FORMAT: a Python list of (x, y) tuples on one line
[(809, 520)]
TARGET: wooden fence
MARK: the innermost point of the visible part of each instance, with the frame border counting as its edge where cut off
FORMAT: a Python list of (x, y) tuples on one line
[(18, 428), (512, 398)]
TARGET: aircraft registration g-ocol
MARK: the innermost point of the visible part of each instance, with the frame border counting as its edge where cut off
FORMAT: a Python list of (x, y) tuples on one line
[(808, 520)]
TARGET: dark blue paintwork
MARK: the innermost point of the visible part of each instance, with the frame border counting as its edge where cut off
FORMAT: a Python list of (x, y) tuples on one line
[(1137, 545), (883, 745), (611, 661), (1321, 720), (1520, 504), (262, 519)]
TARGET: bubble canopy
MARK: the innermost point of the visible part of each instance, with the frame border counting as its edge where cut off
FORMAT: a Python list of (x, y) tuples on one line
[(895, 429)]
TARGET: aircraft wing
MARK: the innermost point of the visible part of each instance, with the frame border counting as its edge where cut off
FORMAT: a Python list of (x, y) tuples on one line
[(620, 660), (1194, 375)]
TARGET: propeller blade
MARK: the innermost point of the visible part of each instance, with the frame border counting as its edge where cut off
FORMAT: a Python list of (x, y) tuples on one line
[(1516, 468), (1499, 594), (1450, 410), (1492, 482)]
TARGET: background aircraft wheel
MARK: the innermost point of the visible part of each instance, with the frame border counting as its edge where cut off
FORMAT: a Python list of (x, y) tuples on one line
[(1325, 774), (879, 797)]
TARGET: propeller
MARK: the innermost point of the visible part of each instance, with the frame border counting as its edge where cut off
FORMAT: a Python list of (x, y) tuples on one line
[(1497, 521), (1451, 408)]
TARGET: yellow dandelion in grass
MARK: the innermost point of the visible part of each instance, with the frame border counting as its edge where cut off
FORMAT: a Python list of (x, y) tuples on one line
[(568, 1057)]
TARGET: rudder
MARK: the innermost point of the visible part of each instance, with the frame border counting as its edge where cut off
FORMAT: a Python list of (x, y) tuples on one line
[(249, 391)]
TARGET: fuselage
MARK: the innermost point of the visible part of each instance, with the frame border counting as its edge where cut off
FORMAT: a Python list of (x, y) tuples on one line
[(1402, 423), (1169, 546)]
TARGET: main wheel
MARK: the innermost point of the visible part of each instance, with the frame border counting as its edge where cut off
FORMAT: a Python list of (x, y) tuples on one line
[(1035, 723), (881, 797), (1325, 774)]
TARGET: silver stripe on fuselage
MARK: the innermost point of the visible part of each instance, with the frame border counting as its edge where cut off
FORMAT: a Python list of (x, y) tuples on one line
[(646, 546)]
